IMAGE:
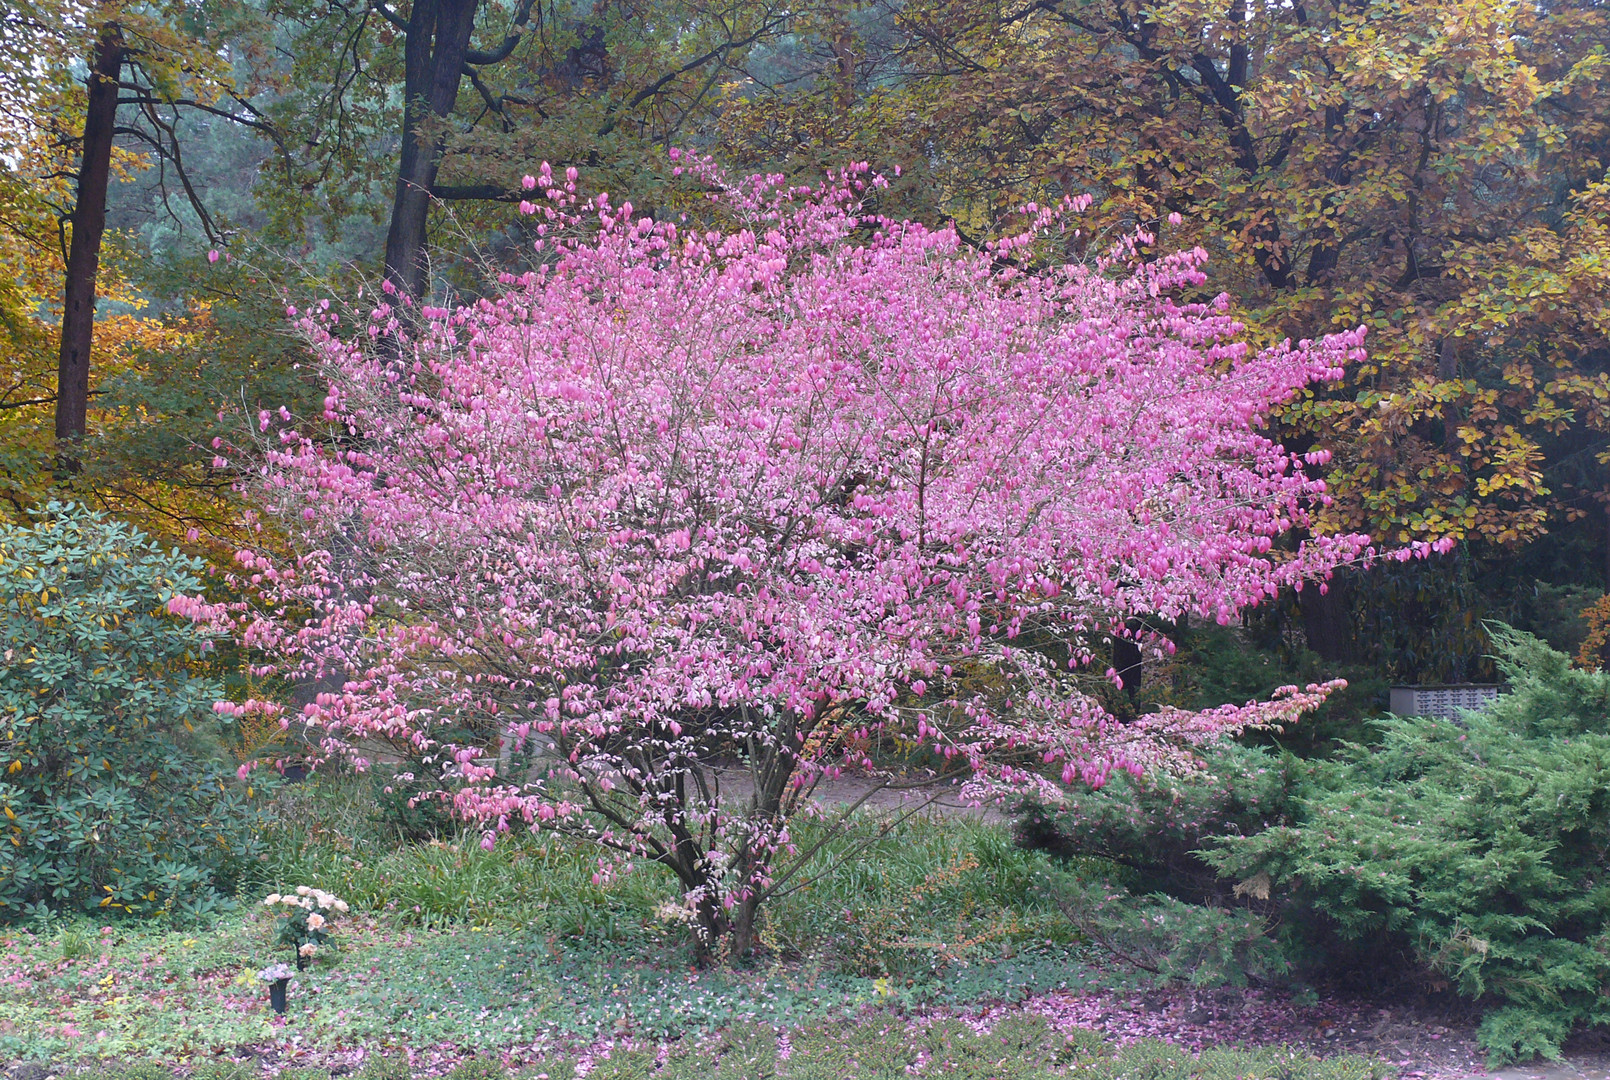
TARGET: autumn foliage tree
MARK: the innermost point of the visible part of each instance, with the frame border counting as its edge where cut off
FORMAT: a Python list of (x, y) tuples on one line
[(90, 96), (1427, 169), (705, 517), (1432, 169)]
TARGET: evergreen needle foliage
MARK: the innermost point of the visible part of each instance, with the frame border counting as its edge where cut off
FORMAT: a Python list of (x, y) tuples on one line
[(1480, 842), (1466, 854)]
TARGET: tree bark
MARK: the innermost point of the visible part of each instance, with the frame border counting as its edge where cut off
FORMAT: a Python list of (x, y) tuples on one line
[(88, 222), (1130, 664), (1607, 549), (743, 929), (434, 54), (1327, 620), (1448, 371)]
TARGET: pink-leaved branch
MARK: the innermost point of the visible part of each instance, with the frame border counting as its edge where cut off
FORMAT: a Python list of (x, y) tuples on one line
[(700, 518)]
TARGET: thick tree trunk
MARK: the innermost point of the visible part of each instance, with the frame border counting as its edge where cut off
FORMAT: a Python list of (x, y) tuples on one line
[(1607, 547), (744, 925), (433, 63), (84, 252), (1130, 664), (1327, 620)]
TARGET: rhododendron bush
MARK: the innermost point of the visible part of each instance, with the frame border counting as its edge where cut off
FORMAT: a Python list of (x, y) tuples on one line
[(702, 518)]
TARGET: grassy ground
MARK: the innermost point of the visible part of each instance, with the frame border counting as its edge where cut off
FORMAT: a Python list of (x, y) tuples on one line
[(873, 1047), (452, 955), (176, 996), (518, 946)]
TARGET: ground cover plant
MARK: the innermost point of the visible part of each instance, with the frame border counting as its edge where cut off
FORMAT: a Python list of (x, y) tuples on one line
[(470, 988), (448, 944), (875, 1045), (563, 967)]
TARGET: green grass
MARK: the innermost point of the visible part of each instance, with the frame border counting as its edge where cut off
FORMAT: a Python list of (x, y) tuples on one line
[(929, 894), (451, 946), (876, 1046)]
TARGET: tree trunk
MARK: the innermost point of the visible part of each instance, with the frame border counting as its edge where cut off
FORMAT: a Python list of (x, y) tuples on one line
[(1607, 547), (88, 222), (1327, 620), (1130, 664), (1448, 371), (743, 928), (433, 63)]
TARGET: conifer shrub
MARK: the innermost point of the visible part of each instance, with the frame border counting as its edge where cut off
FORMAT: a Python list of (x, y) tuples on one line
[(113, 791), (1153, 828), (1466, 855), (1479, 844), (1137, 884)]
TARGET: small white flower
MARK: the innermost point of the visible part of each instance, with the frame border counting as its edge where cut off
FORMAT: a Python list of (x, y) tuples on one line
[(271, 899), (315, 921), (303, 890), (341, 906), (307, 950)]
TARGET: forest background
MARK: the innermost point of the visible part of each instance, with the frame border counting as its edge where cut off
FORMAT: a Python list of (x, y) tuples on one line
[(173, 175)]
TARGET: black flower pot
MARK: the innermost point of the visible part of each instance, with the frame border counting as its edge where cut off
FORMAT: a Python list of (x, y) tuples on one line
[(276, 994)]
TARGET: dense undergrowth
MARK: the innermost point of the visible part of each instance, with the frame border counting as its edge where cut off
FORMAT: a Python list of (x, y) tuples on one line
[(449, 943)]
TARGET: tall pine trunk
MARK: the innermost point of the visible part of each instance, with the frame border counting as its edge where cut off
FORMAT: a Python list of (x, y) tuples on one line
[(88, 222)]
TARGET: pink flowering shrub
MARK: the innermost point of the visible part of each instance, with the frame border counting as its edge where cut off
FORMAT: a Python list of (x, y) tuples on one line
[(701, 518)]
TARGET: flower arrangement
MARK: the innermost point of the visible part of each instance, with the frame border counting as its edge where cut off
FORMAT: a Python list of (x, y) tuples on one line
[(275, 972), (306, 926)]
